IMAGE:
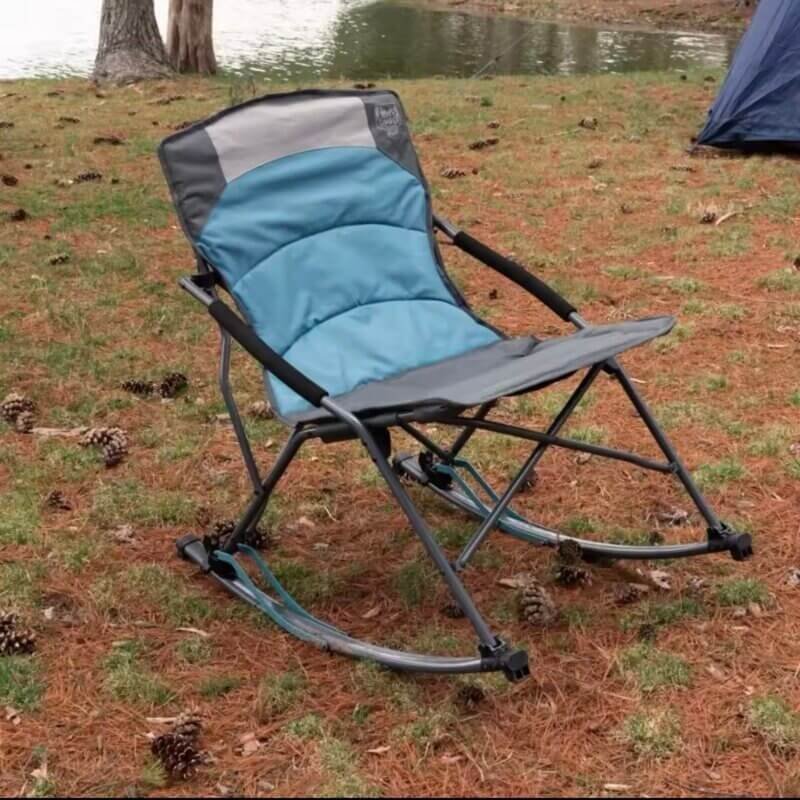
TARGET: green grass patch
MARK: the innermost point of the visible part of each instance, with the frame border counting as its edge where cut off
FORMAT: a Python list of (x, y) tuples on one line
[(219, 686), (782, 280), (341, 774), (652, 734), (372, 680), (130, 680), (427, 730), (662, 614), (685, 285), (306, 585), (654, 669), (19, 518), (130, 501), (777, 724), (167, 593), (579, 525), (194, 650), (413, 583), (308, 727), (713, 476), (772, 441), (277, 694), (21, 685), (742, 592), (20, 583), (590, 434)]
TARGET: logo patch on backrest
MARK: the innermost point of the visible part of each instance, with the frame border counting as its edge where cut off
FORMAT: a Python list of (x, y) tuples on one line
[(387, 120)]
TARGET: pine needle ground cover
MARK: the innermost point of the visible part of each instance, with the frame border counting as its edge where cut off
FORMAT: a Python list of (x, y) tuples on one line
[(625, 224)]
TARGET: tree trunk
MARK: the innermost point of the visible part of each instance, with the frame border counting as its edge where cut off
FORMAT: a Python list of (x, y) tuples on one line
[(131, 47), (189, 41)]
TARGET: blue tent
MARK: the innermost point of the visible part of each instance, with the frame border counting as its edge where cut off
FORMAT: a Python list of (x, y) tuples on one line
[(759, 102)]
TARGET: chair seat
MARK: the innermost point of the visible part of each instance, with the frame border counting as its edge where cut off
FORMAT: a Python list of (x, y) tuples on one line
[(503, 368)]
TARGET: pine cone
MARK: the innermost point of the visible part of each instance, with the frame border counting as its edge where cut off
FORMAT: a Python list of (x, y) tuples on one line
[(172, 384), (114, 452), (260, 409), (112, 441), (212, 542), (470, 696), (24, 422), (139, 388), (216, 537), (648, 632), (571, 575), (452, 172), (569, 552), (57, 501), (536, 605), (15, 404), (179, 755), (453, 611), (480, 144), (696, 586), (627, 593), (85, 177), (15, 639), (257, 539), (189, 725)]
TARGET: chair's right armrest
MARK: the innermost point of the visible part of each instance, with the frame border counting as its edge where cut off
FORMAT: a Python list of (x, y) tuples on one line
[(510, 269)]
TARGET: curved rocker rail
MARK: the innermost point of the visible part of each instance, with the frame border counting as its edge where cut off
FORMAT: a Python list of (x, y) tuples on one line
[(291, 617), (463, 498)]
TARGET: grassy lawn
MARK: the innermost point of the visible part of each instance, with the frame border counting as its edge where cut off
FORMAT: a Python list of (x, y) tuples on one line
[(691, 691)]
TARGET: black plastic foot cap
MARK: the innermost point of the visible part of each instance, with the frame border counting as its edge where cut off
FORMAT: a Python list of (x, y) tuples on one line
[(741, 547), (183, 543), (190, 548), (515, 666)]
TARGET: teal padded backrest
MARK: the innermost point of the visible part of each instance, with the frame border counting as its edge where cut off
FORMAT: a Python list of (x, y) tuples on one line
[(313, 210)]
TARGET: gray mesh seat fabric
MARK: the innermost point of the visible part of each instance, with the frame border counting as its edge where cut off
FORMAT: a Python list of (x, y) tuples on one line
[(506, 367), (314, 213)]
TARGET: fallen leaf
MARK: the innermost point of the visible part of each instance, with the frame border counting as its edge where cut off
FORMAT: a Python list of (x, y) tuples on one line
[(195, 631), (516, 581), (660, 579), (793, 578), (672, 516), (124, 534), (755, 610), (250, 744)]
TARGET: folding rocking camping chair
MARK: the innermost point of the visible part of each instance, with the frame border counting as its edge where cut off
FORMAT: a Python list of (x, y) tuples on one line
[(311, 211)]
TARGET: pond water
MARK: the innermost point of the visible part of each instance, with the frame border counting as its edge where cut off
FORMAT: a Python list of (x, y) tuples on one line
[(304, 40)]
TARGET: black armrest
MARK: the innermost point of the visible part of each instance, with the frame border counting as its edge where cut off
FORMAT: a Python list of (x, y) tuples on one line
[(263, 353), (515, 272)]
